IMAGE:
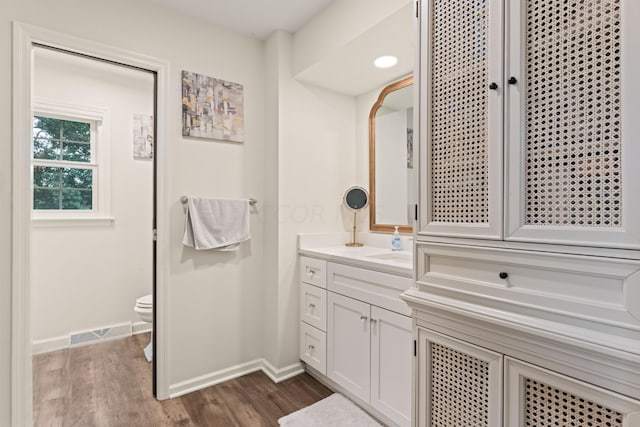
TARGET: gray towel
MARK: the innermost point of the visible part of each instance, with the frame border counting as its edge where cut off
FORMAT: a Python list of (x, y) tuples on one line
[(219, 224)]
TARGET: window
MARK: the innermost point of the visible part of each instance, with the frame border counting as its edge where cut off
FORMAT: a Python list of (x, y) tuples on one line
[(69, 165), (63, 164)]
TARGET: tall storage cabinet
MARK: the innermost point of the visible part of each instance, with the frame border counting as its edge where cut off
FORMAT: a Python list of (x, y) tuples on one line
[(555, 127), (528, 219)]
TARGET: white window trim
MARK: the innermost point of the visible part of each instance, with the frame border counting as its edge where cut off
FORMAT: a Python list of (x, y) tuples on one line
[(101, 161)]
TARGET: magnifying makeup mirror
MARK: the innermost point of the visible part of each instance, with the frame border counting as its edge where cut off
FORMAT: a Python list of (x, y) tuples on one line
[(355, 198)]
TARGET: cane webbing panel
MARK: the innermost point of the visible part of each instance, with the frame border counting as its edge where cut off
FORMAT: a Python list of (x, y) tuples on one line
[(459, 389), (459, 124), (549, 406), (573, 117)]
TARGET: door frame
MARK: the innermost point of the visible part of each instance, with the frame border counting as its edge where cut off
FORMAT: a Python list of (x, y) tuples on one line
[(24, 37)]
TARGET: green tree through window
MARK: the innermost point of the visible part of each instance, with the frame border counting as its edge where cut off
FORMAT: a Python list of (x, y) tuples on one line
[(63, 176)]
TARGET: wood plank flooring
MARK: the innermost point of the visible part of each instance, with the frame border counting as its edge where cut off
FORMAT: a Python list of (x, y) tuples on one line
[(109, 385)]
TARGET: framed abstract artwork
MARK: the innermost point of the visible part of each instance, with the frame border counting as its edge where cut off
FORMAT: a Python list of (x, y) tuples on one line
[(142, 136), (212, 108)]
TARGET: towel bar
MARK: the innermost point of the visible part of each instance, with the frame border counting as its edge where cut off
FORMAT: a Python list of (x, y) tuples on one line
[(185, 199)]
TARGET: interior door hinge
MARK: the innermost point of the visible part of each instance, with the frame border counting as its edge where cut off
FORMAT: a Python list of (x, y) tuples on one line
[(417, 9), (415, 348), (415, 214), (155, 234)]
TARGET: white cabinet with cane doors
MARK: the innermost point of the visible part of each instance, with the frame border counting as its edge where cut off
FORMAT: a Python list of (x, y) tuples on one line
[(542, 103), (527, 230), (466, 385)]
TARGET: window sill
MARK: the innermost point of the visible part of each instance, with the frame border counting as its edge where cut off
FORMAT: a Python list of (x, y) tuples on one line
[(97, 221)]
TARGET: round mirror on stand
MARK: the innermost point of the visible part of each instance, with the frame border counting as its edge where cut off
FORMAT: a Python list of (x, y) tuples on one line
[(355, 198)]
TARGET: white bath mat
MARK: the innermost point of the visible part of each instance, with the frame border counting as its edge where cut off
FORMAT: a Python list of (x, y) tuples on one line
[(335, 410)]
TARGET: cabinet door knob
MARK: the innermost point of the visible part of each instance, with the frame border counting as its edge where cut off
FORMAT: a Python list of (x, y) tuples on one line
[(493, 85), (503, 275), (512, 80), (311, 272), (373, 321), (311, 347), (311, 306), (363, 317)]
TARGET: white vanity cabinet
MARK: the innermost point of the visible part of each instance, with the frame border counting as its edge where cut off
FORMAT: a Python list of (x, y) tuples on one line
[(369, 339), (367, 332)]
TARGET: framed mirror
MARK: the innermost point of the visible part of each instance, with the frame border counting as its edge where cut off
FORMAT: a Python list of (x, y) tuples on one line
[(391, 173)]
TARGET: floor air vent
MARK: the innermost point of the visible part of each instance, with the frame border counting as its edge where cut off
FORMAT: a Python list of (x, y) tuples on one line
[(103, 334)]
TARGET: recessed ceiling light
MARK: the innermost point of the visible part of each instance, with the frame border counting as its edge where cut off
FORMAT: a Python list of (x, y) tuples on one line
[(385, 61)]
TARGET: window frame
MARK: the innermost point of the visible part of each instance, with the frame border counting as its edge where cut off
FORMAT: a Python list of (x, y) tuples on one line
[(99, 119)]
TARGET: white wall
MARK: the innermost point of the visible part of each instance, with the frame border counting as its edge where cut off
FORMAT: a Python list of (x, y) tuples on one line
[(336, 25), (86, 276), (315, 147)]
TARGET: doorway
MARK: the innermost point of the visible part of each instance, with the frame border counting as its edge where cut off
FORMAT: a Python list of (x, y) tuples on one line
[(92, 207), (26, 39)]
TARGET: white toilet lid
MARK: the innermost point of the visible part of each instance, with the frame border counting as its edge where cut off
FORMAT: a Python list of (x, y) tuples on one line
[(145, 301)]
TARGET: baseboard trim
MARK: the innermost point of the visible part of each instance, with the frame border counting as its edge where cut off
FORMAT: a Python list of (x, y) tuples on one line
[(61, 342), (50, 344), (140, 328), (281, 374), (213, 378)]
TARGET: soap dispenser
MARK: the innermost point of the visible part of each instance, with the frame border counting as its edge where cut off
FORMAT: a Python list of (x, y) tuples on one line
[(396, 243)]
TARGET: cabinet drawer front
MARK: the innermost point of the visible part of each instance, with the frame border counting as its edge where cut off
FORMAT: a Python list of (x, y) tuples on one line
[(373, 287), (313, 271), (313, 347), (599, 295), (538, 397), (313, 306)]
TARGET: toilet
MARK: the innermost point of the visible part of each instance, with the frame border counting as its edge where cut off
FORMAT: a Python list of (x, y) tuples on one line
[(144, 309)]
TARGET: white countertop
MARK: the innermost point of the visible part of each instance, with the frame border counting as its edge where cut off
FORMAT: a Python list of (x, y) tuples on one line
[(373, 255)]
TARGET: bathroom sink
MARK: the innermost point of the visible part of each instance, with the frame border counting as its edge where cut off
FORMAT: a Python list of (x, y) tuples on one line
[(404, 257)]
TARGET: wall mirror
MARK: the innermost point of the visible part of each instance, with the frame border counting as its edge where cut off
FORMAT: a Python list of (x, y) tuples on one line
[(391, 173)]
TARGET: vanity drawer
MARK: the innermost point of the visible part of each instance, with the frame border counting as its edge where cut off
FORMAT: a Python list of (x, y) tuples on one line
[(313, 306), (313, 347), (373, 287), (597, 294), (313, 271)]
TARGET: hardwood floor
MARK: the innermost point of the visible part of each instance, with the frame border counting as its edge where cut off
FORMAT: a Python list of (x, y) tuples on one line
[(109, 385)]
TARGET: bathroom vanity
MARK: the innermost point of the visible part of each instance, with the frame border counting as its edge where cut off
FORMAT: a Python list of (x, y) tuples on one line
[(355, 331)]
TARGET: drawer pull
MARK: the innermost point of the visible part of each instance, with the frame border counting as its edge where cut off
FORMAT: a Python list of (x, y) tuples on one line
[(363, 317), (311, 272), (373, 321), (311, 306), (503, 275), (311, 347)]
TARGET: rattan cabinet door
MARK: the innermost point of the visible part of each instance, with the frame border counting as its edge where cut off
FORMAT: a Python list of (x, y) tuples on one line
[(459, 384), (572, 117), (460, 118), (538, 397)]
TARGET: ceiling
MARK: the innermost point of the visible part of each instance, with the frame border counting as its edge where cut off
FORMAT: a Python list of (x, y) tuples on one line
[(257, 18), (348, 70)]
